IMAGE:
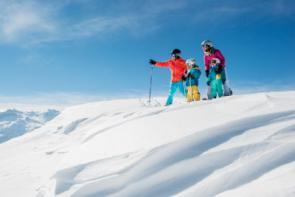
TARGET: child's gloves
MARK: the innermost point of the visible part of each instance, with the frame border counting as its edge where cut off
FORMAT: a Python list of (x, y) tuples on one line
[(152, 62), (197, 67), (208, 83), (190, 76), (207, 73), (183, 78)]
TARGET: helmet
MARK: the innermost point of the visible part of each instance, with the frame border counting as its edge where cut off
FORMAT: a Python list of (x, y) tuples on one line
[(207, 42), (190, 62), (175, 52), (215, 61)]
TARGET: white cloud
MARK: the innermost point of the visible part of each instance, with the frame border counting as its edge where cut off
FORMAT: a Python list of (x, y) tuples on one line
[(32, 21), (23, 21), (95, 26)]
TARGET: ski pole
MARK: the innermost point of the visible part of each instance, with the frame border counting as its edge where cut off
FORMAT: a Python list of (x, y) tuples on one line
[(190, 83), (151, 83)]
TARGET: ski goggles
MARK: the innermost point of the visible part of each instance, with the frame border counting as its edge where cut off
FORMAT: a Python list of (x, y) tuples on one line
[(175, 55), (206, 45), (213, 62)]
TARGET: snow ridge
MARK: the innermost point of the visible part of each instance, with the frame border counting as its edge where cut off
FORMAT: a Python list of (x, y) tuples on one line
[(168, 161), (234, 146)]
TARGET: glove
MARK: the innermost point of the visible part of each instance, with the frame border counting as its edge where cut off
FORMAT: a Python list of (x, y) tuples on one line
[(219, 69), (153, 62), (183, 78), (208, 83), (190, 76), (207, 73)]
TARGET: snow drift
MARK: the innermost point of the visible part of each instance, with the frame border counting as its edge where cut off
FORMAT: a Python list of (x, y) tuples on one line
[(234, 146)]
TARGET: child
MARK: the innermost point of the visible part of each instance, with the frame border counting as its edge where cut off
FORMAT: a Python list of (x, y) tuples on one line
[(192, 80), (215, 79)]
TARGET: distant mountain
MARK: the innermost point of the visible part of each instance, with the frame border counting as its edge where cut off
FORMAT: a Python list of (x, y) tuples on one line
[(14, 123)]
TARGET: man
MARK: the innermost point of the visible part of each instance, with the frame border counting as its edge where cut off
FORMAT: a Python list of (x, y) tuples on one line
[(178, 69)]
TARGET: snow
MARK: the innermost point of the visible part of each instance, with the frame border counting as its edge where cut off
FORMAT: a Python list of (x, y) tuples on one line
[(14, 123), (242, 145)]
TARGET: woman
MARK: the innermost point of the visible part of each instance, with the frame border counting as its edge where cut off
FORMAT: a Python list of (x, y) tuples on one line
[(210, 53)]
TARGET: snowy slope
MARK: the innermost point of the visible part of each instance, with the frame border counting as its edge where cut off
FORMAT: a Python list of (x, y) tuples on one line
[(236, 146), (14, 123)]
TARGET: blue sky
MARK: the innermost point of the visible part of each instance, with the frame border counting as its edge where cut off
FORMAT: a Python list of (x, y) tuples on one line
[(101, 48)]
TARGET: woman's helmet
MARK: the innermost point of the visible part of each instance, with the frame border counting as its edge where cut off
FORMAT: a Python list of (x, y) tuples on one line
[(207, 43)]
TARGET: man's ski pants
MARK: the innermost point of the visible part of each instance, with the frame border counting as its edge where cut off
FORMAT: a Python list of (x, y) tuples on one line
[(174, 86)]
